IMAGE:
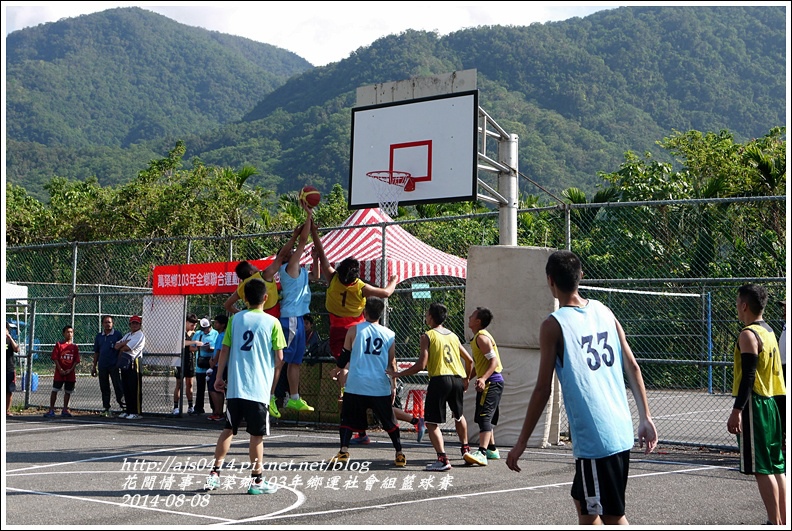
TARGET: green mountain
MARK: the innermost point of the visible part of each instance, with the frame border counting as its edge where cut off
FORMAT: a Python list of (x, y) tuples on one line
[(103, 94)]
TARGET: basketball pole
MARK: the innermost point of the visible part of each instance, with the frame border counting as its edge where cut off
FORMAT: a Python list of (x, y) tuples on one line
[(507, 186)]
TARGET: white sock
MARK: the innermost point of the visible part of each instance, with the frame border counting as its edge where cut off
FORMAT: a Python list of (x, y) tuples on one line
[(295, 397)]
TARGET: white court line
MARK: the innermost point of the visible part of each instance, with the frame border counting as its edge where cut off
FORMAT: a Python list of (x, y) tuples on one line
[(81, 498), (50, 428), (64, 463), (687, 414), (108, 457), (461, 496)]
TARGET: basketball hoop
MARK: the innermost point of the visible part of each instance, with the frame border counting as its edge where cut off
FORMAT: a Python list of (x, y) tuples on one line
[(388, 185)]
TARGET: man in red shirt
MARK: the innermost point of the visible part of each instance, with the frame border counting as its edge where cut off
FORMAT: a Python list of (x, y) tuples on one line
[(66, 356)]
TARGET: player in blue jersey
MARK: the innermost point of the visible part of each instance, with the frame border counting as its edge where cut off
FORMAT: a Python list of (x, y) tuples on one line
[(369, 350), (252, 347), (295, 303), (586, 346)]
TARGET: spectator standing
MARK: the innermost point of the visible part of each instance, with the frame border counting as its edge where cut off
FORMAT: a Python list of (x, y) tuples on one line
[(207, 336), (66, 356), (12, 347), (755, 418), (105, 365), (130, 356), (185, 366), (311, 335), (216, 399)]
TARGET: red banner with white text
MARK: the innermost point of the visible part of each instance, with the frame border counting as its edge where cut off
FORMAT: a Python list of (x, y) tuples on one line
[(199, 279)]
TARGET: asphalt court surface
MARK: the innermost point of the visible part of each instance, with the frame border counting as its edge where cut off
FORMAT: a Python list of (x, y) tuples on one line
[(90, 471)]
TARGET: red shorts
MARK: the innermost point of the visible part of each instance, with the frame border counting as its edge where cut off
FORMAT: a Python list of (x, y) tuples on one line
[(338, 331)]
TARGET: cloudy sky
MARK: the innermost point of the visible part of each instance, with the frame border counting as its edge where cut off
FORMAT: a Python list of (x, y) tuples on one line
[(320, 32)]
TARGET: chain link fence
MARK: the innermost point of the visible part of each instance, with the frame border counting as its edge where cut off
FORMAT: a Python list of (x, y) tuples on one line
[(669, 270)]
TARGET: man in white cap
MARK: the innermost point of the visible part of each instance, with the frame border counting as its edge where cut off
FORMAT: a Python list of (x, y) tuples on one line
[(208, 337)]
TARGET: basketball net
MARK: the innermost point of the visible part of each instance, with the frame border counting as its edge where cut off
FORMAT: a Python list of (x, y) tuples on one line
[(388, 186)]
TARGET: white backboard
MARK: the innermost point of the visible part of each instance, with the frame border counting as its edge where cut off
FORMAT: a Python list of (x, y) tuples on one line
[(432, 139)]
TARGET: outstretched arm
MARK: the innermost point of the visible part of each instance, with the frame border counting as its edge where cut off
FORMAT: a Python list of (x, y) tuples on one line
[(418, 366), (293, 267), (646, 428), (269, 272), (373, 291), (326, 269), (316, 269)]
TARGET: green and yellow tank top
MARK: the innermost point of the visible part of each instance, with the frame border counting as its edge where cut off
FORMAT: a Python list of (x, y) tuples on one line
[(769, 379), (444, 357), (482, 363), (272, 290)]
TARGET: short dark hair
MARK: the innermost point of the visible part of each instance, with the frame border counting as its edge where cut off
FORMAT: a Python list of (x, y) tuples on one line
[(221, 318), (348, 270), (439, 312), (755, 296), (67, 327), (255, 290), (484, 315), (107, 317), (245, 269), (375, 306), (564, 268), (308, 318), (192, 318)]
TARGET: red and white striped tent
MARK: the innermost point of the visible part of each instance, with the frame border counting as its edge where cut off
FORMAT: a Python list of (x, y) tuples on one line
[(406, 256)]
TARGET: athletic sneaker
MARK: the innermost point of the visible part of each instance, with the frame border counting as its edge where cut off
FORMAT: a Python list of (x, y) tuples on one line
[(214, 417), (400, 460), (420, 428), (190, 411), (360, 439), (438, 466), (273, 408), (493, 454), (133, 416), (476, 458), (340, 457), (106, 414), (50, 414), (65, 413), (212, 481), (262, 487), (175, 411), (299, 405), (122, 415)]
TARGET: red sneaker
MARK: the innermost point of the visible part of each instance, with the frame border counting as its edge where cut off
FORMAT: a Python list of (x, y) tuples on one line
[(358, 439)]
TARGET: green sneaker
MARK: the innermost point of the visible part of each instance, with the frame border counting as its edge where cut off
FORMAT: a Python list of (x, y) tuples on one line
[(493, 454), (476, 458), (106, 414), (273, 408), (299, 405), (262, 487)]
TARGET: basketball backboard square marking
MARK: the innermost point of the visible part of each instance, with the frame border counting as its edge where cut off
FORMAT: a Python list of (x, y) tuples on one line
[(414, 158)]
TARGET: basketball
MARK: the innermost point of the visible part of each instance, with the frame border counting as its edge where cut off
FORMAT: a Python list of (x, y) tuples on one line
[(310, 196)]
